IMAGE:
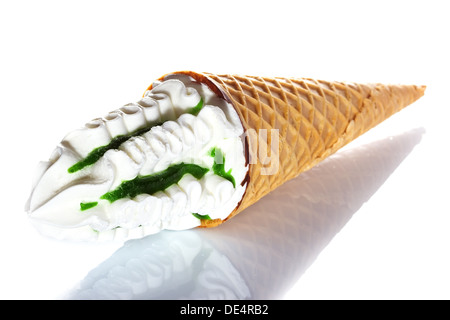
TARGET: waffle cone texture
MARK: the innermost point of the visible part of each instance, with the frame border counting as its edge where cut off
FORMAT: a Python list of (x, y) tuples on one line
[(312, 120)]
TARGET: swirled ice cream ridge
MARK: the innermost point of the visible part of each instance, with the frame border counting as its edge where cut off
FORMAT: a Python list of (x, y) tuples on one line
[(112, 177)]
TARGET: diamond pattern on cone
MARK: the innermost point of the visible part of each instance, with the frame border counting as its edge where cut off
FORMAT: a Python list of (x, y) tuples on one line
[(314, 119)]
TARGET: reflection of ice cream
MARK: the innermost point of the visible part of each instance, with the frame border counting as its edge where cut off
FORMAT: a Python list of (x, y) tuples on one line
[(164, 266), (166, 162)]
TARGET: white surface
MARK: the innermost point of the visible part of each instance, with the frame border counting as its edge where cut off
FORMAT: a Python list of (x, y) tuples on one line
[(63, 64)]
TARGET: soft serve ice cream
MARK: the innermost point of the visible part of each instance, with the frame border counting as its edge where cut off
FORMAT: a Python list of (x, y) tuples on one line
[(169, 161)]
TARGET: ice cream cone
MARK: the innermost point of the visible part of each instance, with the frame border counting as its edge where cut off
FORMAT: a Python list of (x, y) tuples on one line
[(313, 119)]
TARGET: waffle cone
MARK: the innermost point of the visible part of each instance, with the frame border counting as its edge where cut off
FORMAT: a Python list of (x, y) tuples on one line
[(314, 119)]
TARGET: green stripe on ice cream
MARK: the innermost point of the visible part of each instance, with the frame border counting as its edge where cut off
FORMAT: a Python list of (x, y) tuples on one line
[(160, 181), (219, 165), (115, 143), (195, 110), (153, 183), (201, 217), (97, 153), (87, 205)]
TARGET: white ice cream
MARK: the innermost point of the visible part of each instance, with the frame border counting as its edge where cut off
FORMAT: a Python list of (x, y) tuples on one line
[(177, 135)]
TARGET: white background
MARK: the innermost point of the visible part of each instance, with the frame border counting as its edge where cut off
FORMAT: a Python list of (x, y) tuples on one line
[(63, 63)]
